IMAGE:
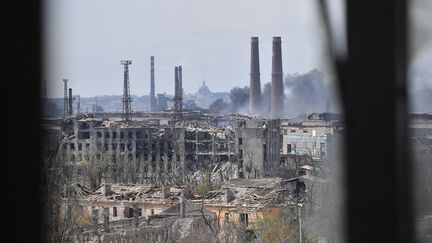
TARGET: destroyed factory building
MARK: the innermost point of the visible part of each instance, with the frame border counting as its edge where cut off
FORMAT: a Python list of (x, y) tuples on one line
[(151, 150)]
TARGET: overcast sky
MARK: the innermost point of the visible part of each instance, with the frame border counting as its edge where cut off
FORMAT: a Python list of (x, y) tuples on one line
[(86, 39)]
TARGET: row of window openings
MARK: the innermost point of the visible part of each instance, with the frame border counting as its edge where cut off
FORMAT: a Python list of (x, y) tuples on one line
[(129, 213), (129, 135), (123, 146), (322, 148), (244, 218), (293, 130)]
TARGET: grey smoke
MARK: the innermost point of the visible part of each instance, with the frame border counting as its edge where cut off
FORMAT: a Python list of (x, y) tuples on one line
[(240, 99), (307, 93)]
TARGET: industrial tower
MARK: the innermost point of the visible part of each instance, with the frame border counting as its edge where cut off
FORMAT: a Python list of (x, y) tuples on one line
[(178, 89), (152, 86), (70, 110), (127, 116), (255, 83), (277, 88), (65, 101)]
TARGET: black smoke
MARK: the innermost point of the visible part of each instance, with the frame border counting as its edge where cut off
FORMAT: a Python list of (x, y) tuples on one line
[(239, 99)]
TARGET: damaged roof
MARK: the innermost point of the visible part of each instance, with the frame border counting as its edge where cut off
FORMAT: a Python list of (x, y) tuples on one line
[(145, 192)]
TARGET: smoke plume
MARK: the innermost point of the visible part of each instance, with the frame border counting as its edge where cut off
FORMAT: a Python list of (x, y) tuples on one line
[(307, 93)]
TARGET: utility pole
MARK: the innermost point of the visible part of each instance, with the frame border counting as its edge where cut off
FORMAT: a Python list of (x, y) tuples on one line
[(299, 206), (126, 92), (65, 102)]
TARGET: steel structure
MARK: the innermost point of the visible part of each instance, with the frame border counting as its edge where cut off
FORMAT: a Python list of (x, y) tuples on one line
[(127, 100)]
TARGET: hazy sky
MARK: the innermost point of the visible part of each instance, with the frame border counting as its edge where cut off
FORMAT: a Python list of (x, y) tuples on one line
[(86, 39)]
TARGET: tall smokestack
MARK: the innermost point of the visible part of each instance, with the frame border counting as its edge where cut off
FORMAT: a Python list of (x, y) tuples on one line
[(180, 88), (70, 102), (176, 88), (277, 92), (152, 86), (255, 83)]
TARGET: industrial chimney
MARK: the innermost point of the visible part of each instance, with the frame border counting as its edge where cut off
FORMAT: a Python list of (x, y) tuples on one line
[(152, 86), (178, 89), (70, 112), (277, 92), (255, 83)]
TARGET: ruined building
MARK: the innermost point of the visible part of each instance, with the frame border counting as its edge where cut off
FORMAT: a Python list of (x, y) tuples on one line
[(139, 213), (141, 150), (314, 135), (253, 200), (259, 145)]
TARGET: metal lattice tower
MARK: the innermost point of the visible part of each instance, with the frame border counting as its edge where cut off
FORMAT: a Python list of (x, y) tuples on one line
[(127, 100), (66, 101)]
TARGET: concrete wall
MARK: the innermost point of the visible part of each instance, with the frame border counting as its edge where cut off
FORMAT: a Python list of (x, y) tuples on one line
[(186, 230), (231, 214), (259, 145), (307, 138)]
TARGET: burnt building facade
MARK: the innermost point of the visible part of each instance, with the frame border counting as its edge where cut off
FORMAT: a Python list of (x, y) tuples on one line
[(136, 152)]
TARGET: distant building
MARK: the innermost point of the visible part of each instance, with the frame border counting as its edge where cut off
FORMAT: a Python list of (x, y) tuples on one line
[(190, 105), (204, 97), (311, 135), (204, 91), (162, 102)]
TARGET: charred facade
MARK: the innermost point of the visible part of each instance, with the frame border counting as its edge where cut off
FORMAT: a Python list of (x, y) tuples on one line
[(137, 152)]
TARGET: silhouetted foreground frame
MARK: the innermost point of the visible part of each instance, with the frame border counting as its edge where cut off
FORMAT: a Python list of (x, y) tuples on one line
[(374, 97), (373, 89)]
